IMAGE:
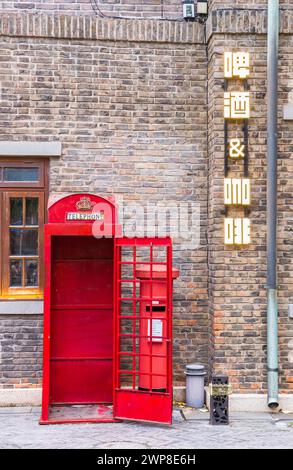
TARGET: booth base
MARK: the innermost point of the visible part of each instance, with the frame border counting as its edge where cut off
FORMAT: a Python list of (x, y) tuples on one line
[(98, 413)]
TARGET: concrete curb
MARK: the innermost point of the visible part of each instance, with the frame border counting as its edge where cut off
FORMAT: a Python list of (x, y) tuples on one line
[(248, 402), (21, 397), (254, 402)]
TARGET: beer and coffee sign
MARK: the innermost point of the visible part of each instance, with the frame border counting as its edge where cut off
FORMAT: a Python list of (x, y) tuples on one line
[(237, 109)]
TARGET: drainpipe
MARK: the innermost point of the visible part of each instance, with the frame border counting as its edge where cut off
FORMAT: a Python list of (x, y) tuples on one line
[(272, 154)]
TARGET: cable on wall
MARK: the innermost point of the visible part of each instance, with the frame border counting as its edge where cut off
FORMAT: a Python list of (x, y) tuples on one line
[(97, 10)]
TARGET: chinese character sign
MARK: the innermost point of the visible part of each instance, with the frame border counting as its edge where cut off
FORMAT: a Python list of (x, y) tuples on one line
[(236, 65), (236, 190), (237, 231), (236, 105)]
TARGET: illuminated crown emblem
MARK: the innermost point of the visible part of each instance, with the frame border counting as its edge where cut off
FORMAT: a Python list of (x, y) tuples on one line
[(84, 204)]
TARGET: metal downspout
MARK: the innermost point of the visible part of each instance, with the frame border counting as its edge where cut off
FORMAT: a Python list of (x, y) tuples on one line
[(272, 141)]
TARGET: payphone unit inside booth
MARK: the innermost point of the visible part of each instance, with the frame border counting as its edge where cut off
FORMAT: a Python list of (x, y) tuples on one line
[(107, 318)]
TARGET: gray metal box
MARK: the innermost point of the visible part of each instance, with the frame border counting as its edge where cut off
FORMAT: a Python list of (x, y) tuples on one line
[(288, 112)]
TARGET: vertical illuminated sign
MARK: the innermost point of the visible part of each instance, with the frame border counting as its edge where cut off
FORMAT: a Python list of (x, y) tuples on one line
[(236, 107)]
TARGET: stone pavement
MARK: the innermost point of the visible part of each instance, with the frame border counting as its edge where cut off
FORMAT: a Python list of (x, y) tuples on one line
[(19, 429)]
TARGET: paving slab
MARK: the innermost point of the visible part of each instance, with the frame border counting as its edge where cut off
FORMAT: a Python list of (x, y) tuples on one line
[(19, 410), (19, 429)]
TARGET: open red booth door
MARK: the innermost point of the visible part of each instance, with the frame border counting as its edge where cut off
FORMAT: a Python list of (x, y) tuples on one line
[(105, 324)]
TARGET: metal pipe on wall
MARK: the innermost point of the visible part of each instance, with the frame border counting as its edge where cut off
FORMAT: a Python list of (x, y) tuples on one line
[(272, 155)]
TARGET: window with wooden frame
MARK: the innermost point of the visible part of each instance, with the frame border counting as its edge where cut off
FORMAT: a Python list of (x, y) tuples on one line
[(23, 194)]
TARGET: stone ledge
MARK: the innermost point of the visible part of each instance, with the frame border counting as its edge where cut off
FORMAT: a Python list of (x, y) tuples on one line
[(33, 396), (88, 27), (21, 307), (20, 397), (244, 402), (254, 402), (29, 149)]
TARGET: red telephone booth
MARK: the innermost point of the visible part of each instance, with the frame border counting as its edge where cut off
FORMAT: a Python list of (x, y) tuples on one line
[(95, 306)]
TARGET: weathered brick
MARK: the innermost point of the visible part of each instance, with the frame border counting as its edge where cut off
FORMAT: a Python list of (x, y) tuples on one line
[(171, 9), (132, 103), (126, 116)]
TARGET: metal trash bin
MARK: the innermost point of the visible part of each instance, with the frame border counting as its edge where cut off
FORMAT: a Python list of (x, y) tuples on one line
[(195, 374)]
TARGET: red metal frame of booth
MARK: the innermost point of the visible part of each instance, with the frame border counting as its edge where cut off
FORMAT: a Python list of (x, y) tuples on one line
[(129, 402), (132, 403)]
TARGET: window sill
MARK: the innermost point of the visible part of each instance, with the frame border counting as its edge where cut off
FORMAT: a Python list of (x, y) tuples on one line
[(30, 149), (21, 307)]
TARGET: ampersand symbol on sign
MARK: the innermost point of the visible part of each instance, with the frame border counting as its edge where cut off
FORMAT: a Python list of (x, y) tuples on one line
[(236, 149)]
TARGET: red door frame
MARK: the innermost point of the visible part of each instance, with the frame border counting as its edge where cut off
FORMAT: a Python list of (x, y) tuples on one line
[(135, 404), (57, 229), (46, 328)]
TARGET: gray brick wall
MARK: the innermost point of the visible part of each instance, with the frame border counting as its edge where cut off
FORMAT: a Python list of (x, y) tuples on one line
[(237, 277), (20, 351), (129, 102), (131, 117), (171, 9)]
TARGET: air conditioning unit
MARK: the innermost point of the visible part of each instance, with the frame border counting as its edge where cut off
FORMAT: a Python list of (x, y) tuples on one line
[(188, 10)]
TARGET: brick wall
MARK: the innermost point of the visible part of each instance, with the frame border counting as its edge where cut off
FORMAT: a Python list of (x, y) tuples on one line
[(245, 5), (20, 351), (131, 117), (127, 99), (237, 278), (285, 216), (133, 8)]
